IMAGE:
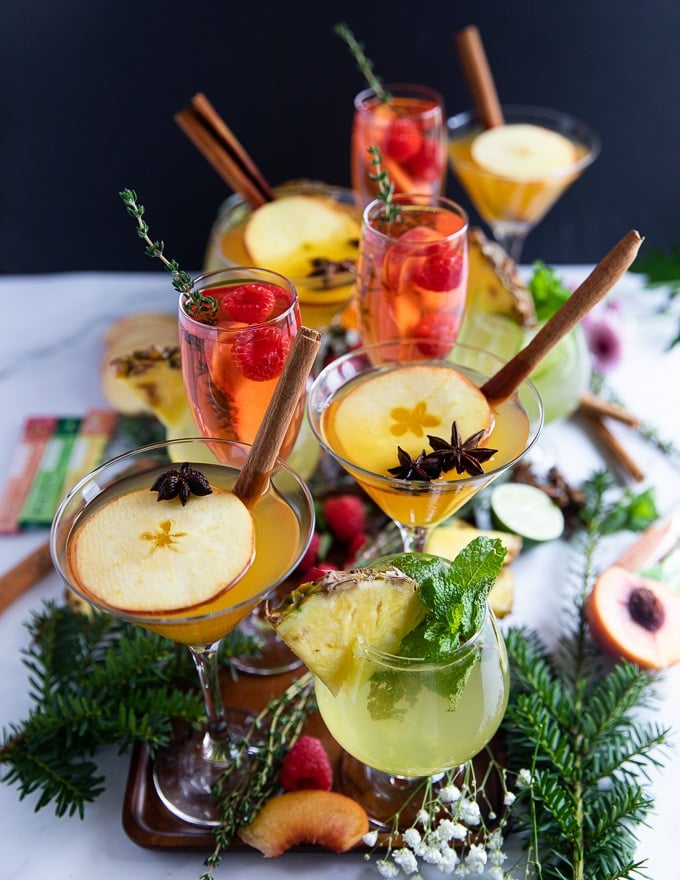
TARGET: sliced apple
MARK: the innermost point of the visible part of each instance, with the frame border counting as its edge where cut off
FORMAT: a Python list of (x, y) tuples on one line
[(635, 617), (406, 404), (324, 818), (287, 234), (523, 152), (139, 555)]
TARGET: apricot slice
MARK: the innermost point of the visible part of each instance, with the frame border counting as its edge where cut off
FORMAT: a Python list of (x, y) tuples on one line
[(635, 617), (324, 818)]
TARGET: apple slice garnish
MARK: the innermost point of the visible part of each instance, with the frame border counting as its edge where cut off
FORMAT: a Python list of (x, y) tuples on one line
[(138, 555), (287, 234), (523, 152)]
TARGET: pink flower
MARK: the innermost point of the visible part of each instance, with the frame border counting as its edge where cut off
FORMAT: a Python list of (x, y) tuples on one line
[(602, 338)]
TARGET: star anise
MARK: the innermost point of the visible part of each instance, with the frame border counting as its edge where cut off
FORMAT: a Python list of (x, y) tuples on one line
[(181, 482), (420, 468), (327, 270), (465, 456)]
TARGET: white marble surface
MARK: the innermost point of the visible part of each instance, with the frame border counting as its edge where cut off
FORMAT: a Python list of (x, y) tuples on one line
[(50, 350)]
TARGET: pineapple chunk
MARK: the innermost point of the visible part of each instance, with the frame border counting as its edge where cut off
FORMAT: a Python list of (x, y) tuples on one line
[(323, 621), (494, 284)]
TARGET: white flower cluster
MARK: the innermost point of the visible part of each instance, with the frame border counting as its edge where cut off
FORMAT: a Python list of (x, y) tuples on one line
[(449, 833)]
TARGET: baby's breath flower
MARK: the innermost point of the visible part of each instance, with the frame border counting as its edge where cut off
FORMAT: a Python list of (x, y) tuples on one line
[(370, 838), (470, 812), (449, 860), (496, 873), (459, 831), (524, 779), (423, 818), (386, 868), (406, 860), (433, 855), (476, 858), (449, 794), (412, 837), (445, 829), (509, 799)]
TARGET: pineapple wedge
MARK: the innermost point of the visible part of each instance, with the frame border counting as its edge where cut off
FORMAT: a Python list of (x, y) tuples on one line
[(323, 621), (494, 284), (154, 375)]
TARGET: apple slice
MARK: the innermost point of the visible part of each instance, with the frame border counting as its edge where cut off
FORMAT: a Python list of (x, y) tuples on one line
[(139, 555), (401, 407), (523, 152), (287, 234)]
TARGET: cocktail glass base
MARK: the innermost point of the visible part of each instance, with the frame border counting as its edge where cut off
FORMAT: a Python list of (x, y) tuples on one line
[(183, 776), (391, 802)]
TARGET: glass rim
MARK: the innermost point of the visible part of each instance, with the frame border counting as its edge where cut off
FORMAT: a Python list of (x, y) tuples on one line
[(177, 618), (557, 120), (401, 89), (371, 213), (280, 280), (535, 424)]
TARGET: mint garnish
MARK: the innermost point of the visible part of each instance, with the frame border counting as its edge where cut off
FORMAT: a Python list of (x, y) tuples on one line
[(455, 595), (548, 291)]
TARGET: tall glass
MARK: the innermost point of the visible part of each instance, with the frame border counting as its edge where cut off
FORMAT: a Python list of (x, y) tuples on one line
[(283, 519), (232, 367), (412, 273), (514, 179), (409, 129), (321, 262), (366, 406)]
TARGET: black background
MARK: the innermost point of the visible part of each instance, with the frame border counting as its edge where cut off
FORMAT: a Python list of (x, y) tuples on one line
[(88, 89)]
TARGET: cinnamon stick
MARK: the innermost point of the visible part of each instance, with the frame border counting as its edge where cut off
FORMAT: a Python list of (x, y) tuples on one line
[(479, 77), (595, 287), (221, 148), (591, 404), (25, 574), (261, 460), (612, 445)]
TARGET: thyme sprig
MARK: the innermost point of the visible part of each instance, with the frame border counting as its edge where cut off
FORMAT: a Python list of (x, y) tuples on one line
[(364, 64), (240, 796), (385, 186), (197, 304), (574, 721)]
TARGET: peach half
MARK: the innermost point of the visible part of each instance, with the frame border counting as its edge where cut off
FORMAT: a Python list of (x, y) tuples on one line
[(324, 818), (635, 617)]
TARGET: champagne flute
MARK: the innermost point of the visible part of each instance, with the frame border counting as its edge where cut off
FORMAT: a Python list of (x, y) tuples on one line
[(515, 172), (375, 408), (163, 567)]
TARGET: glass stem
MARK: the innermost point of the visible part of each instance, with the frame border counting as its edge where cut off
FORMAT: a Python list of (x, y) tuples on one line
[(511, 240), (414, 538), (216, 741)]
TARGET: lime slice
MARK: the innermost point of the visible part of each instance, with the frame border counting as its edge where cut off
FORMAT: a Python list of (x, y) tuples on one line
[(526, 511)]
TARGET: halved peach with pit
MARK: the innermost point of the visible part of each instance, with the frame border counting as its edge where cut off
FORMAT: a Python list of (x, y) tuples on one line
[(635, 617)]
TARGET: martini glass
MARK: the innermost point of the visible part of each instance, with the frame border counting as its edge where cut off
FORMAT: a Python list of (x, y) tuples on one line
[(366, 404), (283, 517), (230, 371), (391, 746), (513, 198)]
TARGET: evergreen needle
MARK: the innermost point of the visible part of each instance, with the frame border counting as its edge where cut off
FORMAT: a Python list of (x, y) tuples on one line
[(364, 64)]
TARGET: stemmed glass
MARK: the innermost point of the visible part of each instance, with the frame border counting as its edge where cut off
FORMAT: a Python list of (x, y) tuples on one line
[(515, 180), (390, 750), (370, 403), (230, 371), (283, 519)]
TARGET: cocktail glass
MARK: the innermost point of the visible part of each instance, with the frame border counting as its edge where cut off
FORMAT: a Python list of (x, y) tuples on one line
[(412, 272), (284, 519), (230, 371), (392, 746), (512, 186), (409, 130), (370, 402), (324, 274)]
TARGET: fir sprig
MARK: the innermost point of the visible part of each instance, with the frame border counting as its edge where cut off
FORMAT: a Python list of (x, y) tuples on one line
[(385, 185), (364, 64), (198, 305), (574, 721), (270, 735)]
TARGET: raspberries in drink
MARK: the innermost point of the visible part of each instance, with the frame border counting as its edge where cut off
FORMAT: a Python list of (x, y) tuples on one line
[(440, 273), (251, 303), (260, 352), (403, 140)]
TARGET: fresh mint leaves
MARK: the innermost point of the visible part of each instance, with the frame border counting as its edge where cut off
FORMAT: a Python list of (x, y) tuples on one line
[(547, 290), (455, 595)]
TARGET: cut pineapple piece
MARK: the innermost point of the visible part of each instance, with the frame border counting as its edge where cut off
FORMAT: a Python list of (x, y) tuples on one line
[(322, 622), (494, 284)]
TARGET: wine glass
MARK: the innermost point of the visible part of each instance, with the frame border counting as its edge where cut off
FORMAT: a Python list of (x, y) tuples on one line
[(412, 271), (515, 172), (375, 408), (390, 746), (283, 520), (230, 371), (406, 122)]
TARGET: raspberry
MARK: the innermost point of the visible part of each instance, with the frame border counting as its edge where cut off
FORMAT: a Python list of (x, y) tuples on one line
[(311, 554), (307, 766), (428, 163), (436, 334), (251, 303), (318, 571), (403, 140), (260, 352), (345, 516), (440, 273)]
